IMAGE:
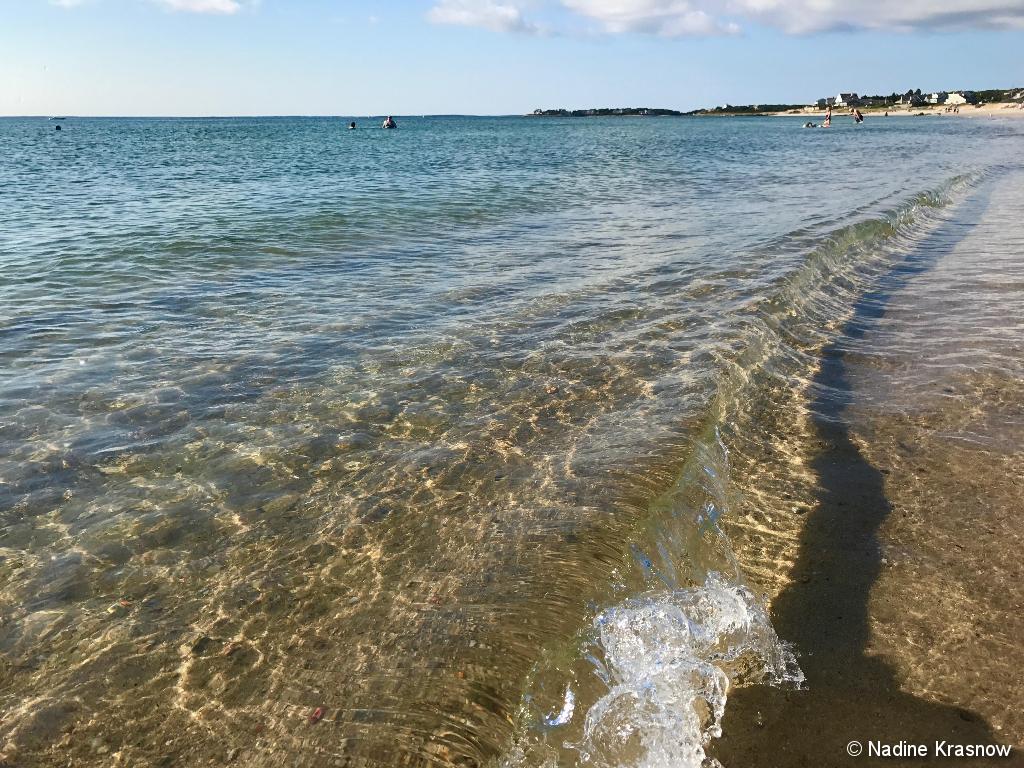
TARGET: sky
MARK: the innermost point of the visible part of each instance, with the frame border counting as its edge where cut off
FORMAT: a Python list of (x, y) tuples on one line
[(405, 57)]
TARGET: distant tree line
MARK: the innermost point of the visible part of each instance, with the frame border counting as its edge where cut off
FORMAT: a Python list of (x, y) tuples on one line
[(606, 112), (998, 94), (990, 95), (747, 109)]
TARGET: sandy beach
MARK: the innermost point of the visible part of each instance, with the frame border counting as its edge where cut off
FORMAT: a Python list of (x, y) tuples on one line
[(966, 110)]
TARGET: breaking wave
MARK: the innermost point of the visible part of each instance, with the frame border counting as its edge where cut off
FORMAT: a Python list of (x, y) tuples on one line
[(668, 661)]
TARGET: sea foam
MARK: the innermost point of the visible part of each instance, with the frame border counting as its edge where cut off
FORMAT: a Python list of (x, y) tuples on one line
[(669, 661), (666, 661)]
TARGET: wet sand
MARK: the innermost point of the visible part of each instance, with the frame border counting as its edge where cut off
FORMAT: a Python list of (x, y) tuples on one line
[(903, 596), (854, 691)]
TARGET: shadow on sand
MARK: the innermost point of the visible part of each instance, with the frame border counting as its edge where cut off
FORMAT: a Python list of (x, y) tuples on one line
[(824, 613)]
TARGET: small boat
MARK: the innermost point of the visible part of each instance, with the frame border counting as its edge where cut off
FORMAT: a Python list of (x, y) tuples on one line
[(58, 118)]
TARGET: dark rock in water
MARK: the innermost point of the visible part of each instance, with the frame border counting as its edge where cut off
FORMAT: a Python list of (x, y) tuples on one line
[(112, 552), (282, 503), (201, 646), (377, 514)]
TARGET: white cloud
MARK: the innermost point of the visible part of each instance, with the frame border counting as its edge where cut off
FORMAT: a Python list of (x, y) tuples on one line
[(203, 6), (489, 14), (711, 17), (670, 18)]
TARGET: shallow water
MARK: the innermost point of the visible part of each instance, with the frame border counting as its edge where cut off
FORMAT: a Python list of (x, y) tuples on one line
[(879, 507), (421, 427), (949, 441)]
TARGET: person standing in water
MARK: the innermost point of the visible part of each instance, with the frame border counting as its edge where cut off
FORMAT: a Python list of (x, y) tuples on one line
[(828, 119), (389, 123)]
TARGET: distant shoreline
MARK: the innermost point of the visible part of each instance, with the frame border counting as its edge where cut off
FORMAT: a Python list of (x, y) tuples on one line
[(993, 109), (1000, 109), (608, 112)]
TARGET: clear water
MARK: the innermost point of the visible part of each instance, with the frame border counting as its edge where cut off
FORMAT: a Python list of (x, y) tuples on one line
[(409, 447)]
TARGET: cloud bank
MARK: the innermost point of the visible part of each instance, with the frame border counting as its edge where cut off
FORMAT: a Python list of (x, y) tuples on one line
[(676, 18)]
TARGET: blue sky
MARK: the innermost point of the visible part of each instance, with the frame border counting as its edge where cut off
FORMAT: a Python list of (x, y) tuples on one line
[(359, 57)]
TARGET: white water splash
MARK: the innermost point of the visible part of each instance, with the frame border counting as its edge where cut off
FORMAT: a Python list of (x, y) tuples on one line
[(568, 708), (669, 661)]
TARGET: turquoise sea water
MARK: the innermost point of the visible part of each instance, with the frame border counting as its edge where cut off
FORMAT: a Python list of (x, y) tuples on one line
[(409, 447)]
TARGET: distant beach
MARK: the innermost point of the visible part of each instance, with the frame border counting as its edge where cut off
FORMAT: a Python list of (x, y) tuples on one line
[(967, 110)]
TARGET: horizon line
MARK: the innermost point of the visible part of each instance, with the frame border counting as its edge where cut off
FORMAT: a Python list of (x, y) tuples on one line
[(247, 115)]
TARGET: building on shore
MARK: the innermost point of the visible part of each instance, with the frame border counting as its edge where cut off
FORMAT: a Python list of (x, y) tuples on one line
[(913, 99), (842, 100), (962, 97)]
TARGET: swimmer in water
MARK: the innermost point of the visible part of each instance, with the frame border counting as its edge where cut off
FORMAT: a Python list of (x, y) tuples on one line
[(389, 123), (352, 126)]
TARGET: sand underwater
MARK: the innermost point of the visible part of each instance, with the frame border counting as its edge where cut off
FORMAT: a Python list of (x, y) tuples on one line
[(505, 442)]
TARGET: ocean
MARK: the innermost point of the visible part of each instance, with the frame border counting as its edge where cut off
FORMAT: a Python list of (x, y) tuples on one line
[(475, 443)]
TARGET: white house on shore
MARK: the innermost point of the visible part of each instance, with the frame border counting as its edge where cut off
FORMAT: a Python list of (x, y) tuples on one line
[(842, 100), (962, 97), (938, 98)]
